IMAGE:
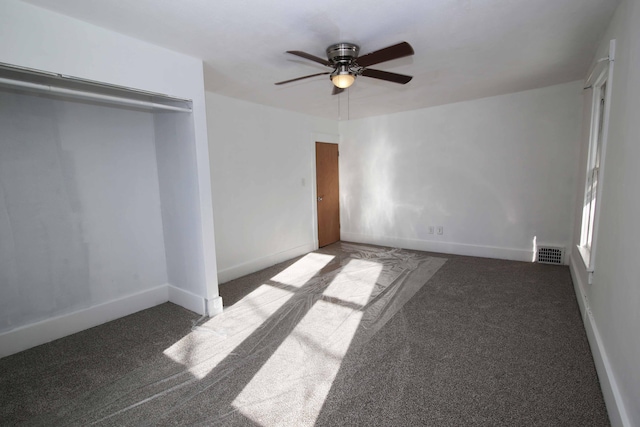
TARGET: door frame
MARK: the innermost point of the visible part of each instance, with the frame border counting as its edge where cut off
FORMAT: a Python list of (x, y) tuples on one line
[(327, 139)]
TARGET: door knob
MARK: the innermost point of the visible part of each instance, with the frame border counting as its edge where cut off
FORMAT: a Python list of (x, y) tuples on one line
[(320, 198)]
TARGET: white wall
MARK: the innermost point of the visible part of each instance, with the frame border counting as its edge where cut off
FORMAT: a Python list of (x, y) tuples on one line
[(80, 217), (263, 181), (611, 305), (494, 172), (42, 39), (178, 180)]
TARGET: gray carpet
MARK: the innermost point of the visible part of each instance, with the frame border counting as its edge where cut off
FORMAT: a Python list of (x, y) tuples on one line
[(347, 335)]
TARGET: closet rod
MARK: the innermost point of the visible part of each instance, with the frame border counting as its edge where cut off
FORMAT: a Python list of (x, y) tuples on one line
[(90, 95)]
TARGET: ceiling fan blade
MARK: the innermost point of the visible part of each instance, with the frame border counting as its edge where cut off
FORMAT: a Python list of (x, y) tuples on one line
[(336, 90), (302, 78), (396, 51), (310, 57), (385, 75)]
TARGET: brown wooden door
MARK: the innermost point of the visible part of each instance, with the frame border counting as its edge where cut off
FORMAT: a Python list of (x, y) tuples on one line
[(328, 193)]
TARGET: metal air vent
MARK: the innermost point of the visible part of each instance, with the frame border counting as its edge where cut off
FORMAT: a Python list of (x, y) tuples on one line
[(550, 255)]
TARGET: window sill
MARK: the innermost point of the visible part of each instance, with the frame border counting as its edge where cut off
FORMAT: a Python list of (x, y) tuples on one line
[(585, 254)]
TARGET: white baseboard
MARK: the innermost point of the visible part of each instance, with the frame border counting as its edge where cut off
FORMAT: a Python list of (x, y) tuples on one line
[(25, 337), (195, 303), (34, 334), (611, 392), (187, 299), (214, 306), (262, 262), (441, 247)]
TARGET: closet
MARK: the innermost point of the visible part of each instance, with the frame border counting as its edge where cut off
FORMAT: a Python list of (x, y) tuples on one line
[(99, 195)]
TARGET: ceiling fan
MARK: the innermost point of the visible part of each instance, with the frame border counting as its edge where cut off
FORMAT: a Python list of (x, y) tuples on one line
[(347, 65)]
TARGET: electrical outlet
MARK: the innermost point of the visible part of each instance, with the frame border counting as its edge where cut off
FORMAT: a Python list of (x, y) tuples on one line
[(440, 230), (431, 229)]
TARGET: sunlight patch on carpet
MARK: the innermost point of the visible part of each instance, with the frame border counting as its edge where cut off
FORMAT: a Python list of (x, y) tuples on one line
[(301, 371)]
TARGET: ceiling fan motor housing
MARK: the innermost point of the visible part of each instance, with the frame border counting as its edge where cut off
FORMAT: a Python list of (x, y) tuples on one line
[(342, 53)]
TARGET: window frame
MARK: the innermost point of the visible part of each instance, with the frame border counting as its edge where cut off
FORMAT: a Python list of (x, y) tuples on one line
[(598, 136)]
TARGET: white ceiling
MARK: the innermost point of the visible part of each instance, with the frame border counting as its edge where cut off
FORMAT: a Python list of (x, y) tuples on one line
[(464, 49)]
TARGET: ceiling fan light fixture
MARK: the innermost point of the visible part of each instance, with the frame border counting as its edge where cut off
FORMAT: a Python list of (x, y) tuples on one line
[(342, 77), (343, 81)]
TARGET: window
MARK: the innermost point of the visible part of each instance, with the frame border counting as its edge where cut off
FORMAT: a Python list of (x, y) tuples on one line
[(593, 170), (597, 143)]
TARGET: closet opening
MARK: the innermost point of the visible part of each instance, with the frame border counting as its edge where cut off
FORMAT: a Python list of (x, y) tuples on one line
[(99, 199)]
